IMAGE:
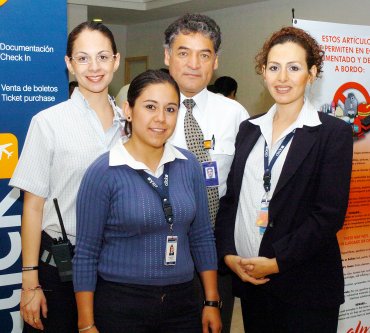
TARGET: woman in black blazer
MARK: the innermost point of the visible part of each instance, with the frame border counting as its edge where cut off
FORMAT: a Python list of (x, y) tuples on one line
[(287, 195)]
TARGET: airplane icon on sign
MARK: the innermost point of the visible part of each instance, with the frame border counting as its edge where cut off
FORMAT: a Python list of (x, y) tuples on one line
[(5, 151)]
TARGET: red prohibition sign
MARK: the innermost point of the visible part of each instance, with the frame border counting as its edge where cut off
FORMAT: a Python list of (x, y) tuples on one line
[(339, 96)]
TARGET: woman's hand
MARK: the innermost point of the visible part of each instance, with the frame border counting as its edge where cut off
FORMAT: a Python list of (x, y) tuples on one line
[(241, 268), (32, 300), (32, 297), (85, 308), (259, 267), (211, 320)]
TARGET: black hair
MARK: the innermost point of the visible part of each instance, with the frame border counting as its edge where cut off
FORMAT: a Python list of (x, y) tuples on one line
[(71, 87), (140, 82), (212, 88), (166, 70), (193, 23), (92, 26), (225, 85)]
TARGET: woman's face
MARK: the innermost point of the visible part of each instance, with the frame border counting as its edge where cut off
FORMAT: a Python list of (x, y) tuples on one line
[(154, 115), (93, 77), (286, 74)]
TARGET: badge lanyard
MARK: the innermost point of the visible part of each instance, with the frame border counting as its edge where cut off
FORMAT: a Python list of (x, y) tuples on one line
[(267, 166), (262, 213), (162, 192)]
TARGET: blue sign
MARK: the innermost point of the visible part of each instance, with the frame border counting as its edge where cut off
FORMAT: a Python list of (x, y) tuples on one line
[(33, 77)]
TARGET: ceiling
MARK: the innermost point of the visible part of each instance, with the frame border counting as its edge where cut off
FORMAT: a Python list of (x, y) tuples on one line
[(137, 11)]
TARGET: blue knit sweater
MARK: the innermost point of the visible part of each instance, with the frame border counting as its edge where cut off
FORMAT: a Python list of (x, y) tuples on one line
[(121, 228)]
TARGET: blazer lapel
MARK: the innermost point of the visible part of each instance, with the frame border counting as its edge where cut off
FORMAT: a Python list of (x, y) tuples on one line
[(247, 142), (302, 143)]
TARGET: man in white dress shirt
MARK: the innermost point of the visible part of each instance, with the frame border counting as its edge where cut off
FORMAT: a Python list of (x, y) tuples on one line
[(191, 51)]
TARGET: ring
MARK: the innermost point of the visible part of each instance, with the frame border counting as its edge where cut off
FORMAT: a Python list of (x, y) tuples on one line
[(35, 320)]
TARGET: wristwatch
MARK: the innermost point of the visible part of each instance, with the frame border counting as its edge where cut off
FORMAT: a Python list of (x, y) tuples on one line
[(215, 304)]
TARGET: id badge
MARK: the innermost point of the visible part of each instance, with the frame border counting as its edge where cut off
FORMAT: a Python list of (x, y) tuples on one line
[(171, 250), (210, 173), (262, 217)]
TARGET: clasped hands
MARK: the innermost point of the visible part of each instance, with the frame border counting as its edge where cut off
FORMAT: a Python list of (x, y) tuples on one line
[(252, 270)]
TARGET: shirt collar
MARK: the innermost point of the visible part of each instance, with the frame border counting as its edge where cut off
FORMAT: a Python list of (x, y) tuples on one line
[(119, 155), (200, 99), (79, 100), (83, 105), (308, 116)]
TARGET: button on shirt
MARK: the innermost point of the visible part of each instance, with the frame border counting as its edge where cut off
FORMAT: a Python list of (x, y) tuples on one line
[(246, 234), (218, 116), (61, 143)]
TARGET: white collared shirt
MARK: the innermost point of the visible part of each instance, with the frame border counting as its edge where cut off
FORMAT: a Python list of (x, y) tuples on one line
[(62, 141), (246, 233), (217, 116), (119, 155)]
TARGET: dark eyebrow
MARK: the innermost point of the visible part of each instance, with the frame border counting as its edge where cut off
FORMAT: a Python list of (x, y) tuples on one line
[(102, 51), (289, 63), (187, 49), (183, 48)]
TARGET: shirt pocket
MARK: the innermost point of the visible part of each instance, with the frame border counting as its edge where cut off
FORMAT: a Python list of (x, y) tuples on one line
[(224, 147)]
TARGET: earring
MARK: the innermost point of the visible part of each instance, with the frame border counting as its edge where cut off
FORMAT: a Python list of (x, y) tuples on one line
[(129, 118)]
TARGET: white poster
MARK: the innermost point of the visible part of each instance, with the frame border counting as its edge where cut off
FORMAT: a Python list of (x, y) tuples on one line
[(343, 92)]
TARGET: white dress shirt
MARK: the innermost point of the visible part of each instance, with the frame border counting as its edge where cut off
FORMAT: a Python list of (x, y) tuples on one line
[(62, 141), (217, 116), (246, 234), (119, 155)]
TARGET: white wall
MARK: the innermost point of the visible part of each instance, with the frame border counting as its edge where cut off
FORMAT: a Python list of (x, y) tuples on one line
[(76, 14), (244, 29), (120, 36)]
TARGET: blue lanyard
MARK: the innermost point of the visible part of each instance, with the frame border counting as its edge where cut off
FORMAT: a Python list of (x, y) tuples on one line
[(268, 167), (162, 192)]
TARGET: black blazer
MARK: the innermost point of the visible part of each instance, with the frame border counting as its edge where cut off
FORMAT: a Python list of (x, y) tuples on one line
[(306, 211)]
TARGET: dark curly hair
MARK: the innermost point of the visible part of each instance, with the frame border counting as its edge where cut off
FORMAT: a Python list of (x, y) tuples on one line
[(314, 55), (193, 23)]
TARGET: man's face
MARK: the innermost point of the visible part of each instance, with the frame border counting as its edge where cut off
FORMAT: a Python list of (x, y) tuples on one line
[(191, 60)]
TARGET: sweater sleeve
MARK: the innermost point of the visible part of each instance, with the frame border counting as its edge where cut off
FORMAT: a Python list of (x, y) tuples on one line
[(201, 238), (92, 212)]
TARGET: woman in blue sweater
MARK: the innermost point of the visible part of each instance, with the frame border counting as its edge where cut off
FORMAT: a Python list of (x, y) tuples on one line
[(142, 226)]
